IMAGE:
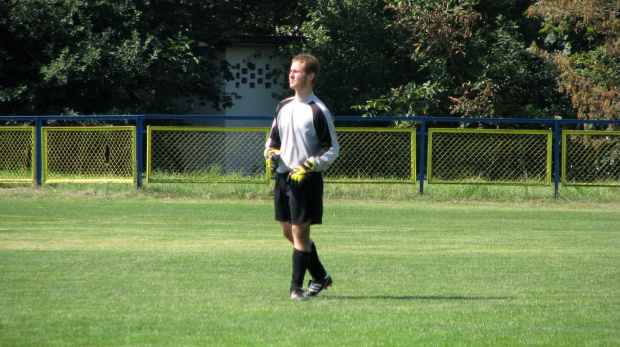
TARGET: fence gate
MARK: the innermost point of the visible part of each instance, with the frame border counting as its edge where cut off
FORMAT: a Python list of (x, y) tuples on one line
[(89, 154), (474, 156), (590, 158), (17, 154), (206, 154), (374, 155)]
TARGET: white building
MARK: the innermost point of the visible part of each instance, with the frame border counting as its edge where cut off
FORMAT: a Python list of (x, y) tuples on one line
[(259, 79)]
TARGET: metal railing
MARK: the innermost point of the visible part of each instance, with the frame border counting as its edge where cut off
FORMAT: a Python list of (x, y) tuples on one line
[(433, 150)]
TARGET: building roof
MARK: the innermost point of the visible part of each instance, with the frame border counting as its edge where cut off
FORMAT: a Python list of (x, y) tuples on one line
[(267, 40)]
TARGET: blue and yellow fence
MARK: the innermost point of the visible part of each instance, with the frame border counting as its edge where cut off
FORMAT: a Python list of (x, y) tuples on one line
[(554, 153)]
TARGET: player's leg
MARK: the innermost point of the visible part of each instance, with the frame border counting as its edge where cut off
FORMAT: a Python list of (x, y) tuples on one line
[(315, 267), (301, 256), (287, 231), (282, 196), (306, 208), (301, 237), (320, 279)]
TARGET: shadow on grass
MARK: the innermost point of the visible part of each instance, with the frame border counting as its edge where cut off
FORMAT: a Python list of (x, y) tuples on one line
[(409, 297)]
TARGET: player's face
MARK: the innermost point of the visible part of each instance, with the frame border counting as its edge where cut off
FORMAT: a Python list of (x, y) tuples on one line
[(297, 77)]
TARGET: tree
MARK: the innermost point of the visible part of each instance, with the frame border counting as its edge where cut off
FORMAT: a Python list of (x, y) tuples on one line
[(582, 38), (474, 60), (268, 17), (360, 57), (112, 57), (436, 32)]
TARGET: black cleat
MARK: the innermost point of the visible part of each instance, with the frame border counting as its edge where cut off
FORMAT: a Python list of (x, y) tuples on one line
[(317, 286)]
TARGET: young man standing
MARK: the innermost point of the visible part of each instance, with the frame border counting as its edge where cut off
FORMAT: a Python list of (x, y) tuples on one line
[(301, 145)]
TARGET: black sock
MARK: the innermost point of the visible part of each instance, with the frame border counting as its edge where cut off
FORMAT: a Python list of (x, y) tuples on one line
[(300, 265), (315, 268)]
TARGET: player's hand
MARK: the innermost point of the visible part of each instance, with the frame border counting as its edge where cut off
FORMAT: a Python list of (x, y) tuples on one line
[(273, 155), (296, 177)]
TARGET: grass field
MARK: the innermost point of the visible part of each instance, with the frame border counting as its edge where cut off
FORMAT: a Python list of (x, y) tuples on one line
[(101, 268)]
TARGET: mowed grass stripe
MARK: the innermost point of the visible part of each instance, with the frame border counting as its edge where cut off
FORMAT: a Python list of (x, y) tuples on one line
[(104, 272)]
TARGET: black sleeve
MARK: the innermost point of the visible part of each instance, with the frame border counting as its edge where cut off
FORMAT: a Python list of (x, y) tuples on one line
[(322, 130), (274, 136)]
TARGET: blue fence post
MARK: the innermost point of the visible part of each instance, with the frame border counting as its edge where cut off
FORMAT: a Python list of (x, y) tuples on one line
[(139, 150), (422, 164), (39, 151), (557, 143)]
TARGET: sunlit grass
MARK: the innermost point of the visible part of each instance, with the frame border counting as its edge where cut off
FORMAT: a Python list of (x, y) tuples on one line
[(108, 267), (333, 191)]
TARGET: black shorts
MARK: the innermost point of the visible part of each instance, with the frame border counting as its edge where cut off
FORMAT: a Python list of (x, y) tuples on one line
[(298, 205)]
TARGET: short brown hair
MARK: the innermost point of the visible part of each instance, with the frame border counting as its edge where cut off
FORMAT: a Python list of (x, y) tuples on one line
[(311, 64)]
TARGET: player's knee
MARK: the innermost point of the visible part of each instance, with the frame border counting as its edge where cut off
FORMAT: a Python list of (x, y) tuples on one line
[(287, 232)]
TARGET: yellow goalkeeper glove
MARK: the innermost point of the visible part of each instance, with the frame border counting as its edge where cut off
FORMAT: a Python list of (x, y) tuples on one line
[(296, 177), (274, 156)]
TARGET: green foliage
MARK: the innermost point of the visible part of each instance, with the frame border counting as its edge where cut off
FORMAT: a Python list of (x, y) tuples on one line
[(409, 100), (582, 38), (98, 57), (379, 57), (525, 85), (474, 60), (268, 17), (360, 57)]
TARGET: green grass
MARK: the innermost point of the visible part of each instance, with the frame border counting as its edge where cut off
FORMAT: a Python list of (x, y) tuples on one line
[(333, 191), (215, 173), (109, 266)]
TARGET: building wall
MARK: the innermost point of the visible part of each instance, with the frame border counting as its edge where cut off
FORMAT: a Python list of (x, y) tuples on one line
[(258, 80)]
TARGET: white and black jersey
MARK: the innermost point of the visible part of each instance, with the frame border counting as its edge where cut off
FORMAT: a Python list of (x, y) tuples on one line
[(303, 129)]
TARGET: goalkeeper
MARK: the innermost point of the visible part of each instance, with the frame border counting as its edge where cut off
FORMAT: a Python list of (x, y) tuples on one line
[(302, 143)]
